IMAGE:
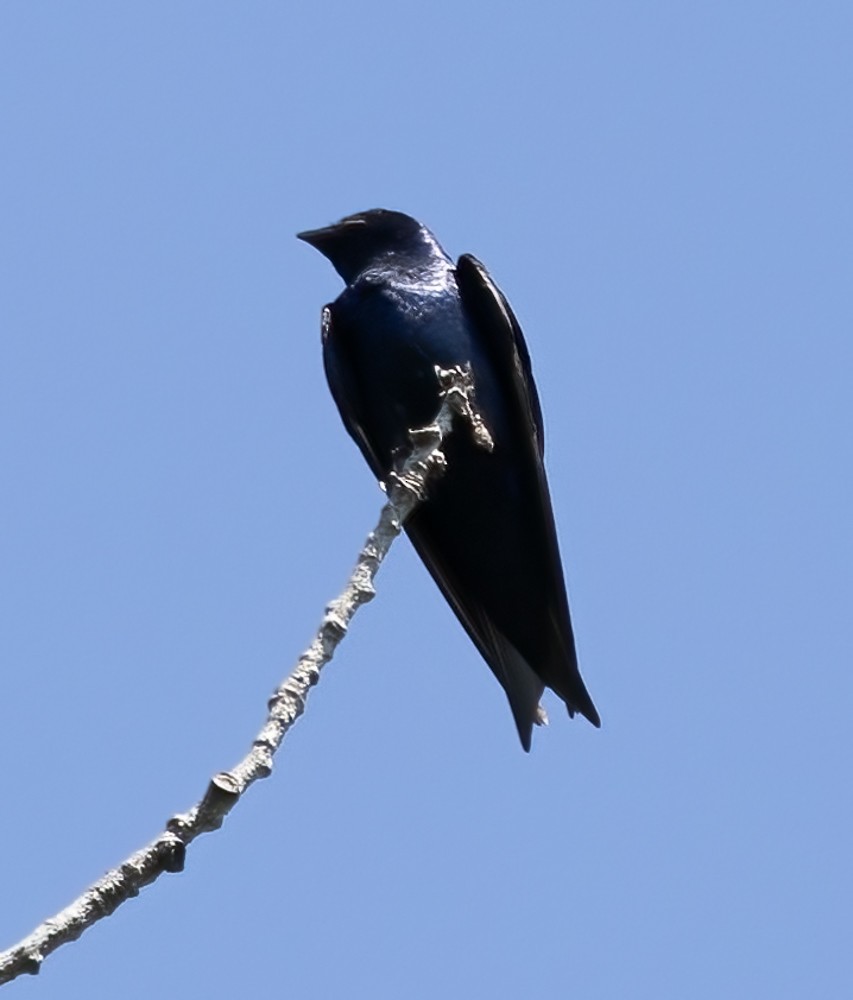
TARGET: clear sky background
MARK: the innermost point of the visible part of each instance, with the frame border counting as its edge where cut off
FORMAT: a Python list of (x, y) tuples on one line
[(663, 191)]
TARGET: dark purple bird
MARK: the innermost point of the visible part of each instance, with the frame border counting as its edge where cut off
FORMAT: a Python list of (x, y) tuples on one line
[(486, 532)]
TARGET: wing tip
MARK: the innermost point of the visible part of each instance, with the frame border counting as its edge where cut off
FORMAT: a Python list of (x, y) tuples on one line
[(525, 728)]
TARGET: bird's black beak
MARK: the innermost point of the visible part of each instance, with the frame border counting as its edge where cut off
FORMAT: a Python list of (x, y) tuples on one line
[(320, 238), (316, 237)]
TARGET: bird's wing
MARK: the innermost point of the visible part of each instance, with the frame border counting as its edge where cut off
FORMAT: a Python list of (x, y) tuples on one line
[(501, 335), (346, 391), (518, 679)]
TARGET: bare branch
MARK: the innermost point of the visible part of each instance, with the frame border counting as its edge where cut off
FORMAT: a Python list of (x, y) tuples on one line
[(167, 852)]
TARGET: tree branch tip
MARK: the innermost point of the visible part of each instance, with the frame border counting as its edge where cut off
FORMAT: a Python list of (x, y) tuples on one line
[(459, 392), (482, 437), (448, 378)]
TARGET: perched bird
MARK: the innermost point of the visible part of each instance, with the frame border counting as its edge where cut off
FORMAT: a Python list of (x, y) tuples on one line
[(486, 531)]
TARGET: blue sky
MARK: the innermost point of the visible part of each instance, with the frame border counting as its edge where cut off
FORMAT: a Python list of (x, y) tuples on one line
[(663, 191)]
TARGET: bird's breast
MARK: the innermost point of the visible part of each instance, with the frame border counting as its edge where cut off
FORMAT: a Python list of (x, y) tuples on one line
[(396, 336)]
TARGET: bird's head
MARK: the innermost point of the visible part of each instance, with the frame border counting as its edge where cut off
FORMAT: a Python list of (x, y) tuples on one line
[(357, 241)]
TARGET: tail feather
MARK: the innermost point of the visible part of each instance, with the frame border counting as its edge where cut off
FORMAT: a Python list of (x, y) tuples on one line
[(580, 701), (568, 684), (561, 673)]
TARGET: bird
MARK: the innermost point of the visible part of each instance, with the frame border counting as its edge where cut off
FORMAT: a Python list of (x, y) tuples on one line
[(486, 530)]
